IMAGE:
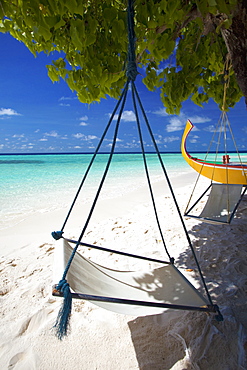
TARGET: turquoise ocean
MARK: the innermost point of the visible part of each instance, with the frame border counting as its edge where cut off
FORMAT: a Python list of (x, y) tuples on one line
[(47, 182)]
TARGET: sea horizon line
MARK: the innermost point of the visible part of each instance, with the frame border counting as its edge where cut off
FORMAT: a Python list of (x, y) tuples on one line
[(90, 153)]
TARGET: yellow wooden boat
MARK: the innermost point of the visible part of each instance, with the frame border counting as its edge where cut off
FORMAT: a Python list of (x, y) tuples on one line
[(225, 172)]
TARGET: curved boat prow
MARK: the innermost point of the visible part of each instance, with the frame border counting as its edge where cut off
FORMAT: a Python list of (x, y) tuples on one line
[(188, 127), (224, 172)]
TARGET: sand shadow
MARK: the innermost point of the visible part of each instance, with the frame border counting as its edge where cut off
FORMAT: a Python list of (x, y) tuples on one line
[(191, 340)]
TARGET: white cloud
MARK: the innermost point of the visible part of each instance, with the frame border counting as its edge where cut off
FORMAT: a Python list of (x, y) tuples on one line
[(83, 124), (5, 117), (132, 144), (84, 137), (67, 98), (64, 105), (44, 139), (127, 116), (91, 137), (18, 136), (8, 112), (78, 135), (175, 124), (84, 118), (52, 133), (212, 129), (170, 139), (159, 139), (193, 141), (161, 112), (198, 119)]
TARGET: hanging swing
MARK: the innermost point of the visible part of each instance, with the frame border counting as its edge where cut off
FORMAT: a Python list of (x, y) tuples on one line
[(135, 293), (228, 179)]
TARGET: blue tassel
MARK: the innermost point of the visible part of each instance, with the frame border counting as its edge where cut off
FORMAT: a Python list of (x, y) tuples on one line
[(63, 318)]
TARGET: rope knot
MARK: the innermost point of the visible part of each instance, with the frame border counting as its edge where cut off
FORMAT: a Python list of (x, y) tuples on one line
[(131, 70), (62, 285), (57, 234)]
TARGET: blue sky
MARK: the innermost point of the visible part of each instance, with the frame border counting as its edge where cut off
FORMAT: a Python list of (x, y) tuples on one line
[(38, 116)]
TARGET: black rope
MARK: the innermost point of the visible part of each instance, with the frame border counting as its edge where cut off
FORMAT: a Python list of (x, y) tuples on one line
[(93, 246), (173, 195), (131, 72), (125, 91), (94, 155), (134, 92)]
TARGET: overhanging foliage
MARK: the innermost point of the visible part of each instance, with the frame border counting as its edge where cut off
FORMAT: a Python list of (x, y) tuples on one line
[(181, 45)]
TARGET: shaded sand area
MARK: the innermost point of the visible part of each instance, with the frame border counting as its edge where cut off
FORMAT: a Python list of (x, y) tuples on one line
[(105, 340)]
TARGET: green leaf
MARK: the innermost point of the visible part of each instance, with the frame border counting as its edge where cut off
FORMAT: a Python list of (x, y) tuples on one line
[(71, 6), (59, 24), (30, 22), (59, 63), (92, 38), (118, 27), (52, 73), (212, 3), (70, 81), (45, 32), (76, 38), (109, 14)]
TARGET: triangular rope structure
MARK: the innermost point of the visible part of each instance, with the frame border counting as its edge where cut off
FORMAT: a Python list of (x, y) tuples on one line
[(115, 279), (228, 178), (228, 181)]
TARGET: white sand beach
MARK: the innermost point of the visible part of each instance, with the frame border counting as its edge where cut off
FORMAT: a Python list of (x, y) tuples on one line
[(104, 340)]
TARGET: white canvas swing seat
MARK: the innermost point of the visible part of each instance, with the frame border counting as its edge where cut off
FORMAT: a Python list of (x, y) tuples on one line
[(147, 291), (221, 204), (134, 293)]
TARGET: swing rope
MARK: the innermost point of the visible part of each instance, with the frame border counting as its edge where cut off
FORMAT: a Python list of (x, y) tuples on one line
[(62, 323), (173, 196)]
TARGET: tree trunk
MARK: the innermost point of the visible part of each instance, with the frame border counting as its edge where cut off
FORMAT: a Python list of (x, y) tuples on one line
[(236, 41)]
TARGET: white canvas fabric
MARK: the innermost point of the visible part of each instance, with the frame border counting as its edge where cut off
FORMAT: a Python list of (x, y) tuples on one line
[(163, 285), (221, 203)]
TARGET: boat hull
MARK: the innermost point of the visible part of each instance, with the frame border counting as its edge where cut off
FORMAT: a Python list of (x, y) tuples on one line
[(225, 173)]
